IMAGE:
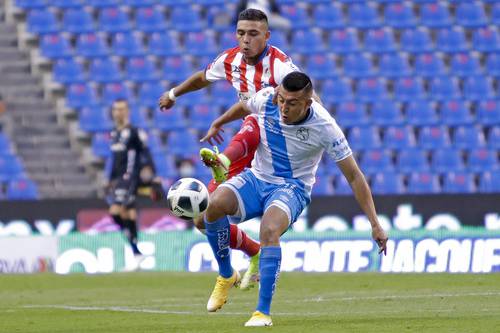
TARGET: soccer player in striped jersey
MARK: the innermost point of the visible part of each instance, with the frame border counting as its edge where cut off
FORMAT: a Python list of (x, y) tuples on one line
[(294, 134), (249, 67)]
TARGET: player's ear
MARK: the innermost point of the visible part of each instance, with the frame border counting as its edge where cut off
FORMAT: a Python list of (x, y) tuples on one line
[(268, 35)]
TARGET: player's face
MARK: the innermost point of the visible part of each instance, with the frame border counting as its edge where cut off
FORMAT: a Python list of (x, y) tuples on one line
[(293, 105), (120, 113), (252, 38)]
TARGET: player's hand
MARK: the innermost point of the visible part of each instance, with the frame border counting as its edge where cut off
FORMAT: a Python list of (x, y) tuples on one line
[(380, 237), (213, 133), (165, 102)]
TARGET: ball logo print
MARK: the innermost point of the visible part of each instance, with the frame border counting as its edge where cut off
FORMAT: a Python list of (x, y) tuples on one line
[(187, 198)]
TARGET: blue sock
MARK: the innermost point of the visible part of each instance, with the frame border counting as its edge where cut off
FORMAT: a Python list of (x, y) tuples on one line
[(218, 237), (269, 266)]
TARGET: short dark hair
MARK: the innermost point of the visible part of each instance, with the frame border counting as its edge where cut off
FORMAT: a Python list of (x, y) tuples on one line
[(297, 81), (252, 14), (120, 100)]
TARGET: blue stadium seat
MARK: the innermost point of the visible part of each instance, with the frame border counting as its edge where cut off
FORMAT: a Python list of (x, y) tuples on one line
[(495, 14), (155, 144), (433, 137), (171, 3), (363, 15), (228, 40), (336, 90), (435, 15), (371, 89), (446, 160), (95, 119), (194, 98), (91, 45), (139, 117), (68, 70), (116, 90), (321, 66), (185, 19), (363, 137), (126, 44), (350, 114), (423, 182), (31, 4), (149, 93), (201, 116), (379, 40), (149, 19), (459, 182), (183, 143), (10, 167), (486, 39), (141, 69), (488, 112), (328, 17), (489, 182), (471, 14), (101, 145), (412, 159), (164, 44), (170, 120), (55, 46), (464, 64), (341, 186), (429, 64), (104, 70), (103, 3), (399, 137), (176, 68), (416, 40), (399, 15), (358, 65), (200, 44), (482, 160), (494, 137), (387, 183), (444, 88), (386, 112), (374, 161), (41, 21), (296, 14), (138, 3), (421, 112), (278, 39), (22, 189), (113, 19), (307, 41), (5, 147), (492, 66), (451, 40), (165, 166), (408, 89), (455, 112), (468, 137), (223, 94), (393, 65), (77, 20), (478, 88), (323, 186), (65, 4), (344, 41), (80, 95)]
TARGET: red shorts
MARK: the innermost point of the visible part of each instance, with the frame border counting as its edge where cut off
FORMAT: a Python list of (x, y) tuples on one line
[(249, 136)]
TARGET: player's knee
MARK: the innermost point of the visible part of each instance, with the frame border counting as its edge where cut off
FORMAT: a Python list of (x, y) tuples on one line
[(222, 202), (269, 234)]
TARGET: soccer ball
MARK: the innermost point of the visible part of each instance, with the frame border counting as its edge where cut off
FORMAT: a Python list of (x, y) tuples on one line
[(187, 198)]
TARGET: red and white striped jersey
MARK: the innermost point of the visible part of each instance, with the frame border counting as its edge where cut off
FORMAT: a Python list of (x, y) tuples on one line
[(247, 79)]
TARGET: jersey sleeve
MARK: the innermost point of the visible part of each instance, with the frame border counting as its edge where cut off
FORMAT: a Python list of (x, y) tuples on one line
[(215, 71), (282, 68), (255, 103), (335, 142)]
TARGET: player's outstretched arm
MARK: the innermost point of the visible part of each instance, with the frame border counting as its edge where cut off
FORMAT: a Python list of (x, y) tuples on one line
[(363, 196), (194, 82), (237, 111)]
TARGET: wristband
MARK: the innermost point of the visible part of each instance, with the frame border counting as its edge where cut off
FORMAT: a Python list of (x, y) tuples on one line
[(171, 95)]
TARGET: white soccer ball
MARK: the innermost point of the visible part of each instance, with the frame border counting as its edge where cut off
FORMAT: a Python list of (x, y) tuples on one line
[(187, 198)]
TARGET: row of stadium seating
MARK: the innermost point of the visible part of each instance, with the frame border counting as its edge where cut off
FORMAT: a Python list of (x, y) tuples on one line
[(364, 15)]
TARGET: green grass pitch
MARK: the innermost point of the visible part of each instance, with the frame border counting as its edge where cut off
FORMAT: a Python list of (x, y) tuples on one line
[(175, 302)]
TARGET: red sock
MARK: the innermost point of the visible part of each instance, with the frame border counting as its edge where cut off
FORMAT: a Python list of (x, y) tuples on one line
[(245, 141), (241, 241)]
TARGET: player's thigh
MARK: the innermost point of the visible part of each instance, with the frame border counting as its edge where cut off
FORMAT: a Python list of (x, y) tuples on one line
[(249, 193), (222, 202), (289, 200), (274, 223)]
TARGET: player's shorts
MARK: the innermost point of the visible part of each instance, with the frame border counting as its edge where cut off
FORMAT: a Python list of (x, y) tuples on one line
[(123, 194), (256, 196)]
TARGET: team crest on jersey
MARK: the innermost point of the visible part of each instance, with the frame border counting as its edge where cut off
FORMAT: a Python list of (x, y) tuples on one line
[(302, 134)]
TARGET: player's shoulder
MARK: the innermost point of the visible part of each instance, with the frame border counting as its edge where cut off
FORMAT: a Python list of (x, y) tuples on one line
[(277, 53)]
